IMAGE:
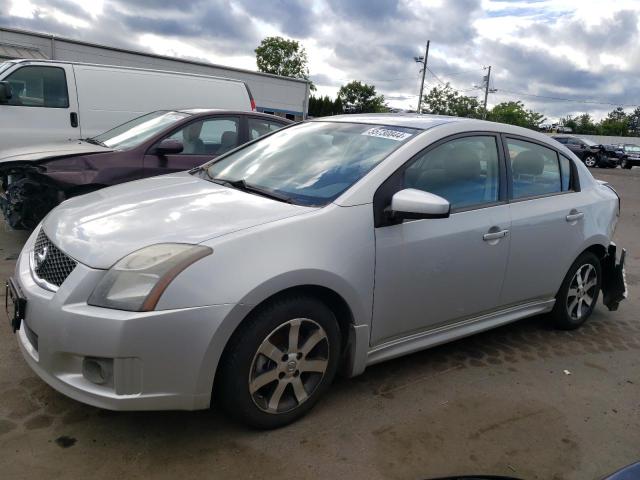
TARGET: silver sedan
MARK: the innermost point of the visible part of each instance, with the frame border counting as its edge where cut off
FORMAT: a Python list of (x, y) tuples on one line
[(330, 245)]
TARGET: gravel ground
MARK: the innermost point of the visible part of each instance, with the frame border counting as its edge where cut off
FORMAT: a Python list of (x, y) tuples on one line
[(497, 403)]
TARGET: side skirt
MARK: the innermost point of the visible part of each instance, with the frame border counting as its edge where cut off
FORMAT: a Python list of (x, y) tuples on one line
[(437, 336)]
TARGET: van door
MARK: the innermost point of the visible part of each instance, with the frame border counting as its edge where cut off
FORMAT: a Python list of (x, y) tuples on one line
[(43, 107)]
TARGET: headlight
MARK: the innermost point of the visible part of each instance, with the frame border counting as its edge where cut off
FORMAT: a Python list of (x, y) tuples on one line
[(137, 281)]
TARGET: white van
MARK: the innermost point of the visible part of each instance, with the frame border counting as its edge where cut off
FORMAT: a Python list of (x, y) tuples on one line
[(43, 101)]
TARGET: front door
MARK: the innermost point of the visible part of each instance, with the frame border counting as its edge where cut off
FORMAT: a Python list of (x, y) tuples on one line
[(203, 139), (43, 107), (433, 272)]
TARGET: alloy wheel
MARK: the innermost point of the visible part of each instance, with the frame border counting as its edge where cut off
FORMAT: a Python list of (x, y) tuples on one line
[(590, 161), (289, 365), (582, 291)]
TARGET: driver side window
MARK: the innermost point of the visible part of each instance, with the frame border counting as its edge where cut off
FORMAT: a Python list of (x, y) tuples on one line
[(208, 137), (464, 171)]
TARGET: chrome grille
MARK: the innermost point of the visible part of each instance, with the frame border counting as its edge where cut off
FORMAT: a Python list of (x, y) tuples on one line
[(49, 264)]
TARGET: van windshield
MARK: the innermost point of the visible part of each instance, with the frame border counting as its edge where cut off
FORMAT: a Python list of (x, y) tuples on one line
[(310, 163), (134, 132)]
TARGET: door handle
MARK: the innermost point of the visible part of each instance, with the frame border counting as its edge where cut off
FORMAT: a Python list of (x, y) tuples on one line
[(487, 237), (73, 118), (574, 216)]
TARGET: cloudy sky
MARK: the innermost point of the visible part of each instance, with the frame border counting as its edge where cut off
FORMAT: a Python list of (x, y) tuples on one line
[(542, 52)]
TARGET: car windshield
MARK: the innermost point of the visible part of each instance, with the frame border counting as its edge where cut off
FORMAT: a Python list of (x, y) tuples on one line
[(138, 130), (632, 148), (311, 163)]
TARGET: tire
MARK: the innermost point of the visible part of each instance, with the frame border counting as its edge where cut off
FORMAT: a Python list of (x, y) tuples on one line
[(263, 379), (591, 161), (625, 164), (572, 307)]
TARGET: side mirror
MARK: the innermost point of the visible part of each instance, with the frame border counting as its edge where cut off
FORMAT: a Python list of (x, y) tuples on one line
[(169, 146), (416, 204), (5, 92)]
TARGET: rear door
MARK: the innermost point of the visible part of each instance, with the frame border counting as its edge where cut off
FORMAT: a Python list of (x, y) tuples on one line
[(203, 139), (547, 220), (43, 108)]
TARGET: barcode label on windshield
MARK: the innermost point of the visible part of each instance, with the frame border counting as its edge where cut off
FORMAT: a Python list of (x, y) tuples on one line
[(387, 133)]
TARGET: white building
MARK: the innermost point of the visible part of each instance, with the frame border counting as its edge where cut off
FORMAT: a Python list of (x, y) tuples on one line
[(283, 96)]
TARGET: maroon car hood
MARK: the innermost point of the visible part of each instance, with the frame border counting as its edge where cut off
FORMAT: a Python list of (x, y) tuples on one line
[(52, 150)]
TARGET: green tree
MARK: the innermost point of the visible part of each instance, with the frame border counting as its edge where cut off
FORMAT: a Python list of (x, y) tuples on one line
[(281, 56), (514, 113), (585, 124), (616, 123), (358, 97), (447, 101), (634, 121), (571, 122)]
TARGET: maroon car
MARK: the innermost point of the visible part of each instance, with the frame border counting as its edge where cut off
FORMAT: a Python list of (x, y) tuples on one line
[(36, 179)]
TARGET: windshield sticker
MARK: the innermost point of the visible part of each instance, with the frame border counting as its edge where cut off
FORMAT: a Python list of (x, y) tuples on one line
[(387, 133)]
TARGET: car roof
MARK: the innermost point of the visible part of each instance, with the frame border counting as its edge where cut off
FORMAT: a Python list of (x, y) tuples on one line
[(410, 120), (220, 111)]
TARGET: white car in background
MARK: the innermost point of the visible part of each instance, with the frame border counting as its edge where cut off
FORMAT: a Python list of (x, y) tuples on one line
[(334, 243)]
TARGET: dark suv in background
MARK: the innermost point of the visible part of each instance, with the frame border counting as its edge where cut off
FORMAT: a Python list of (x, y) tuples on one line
[(630, 155), (591, 153)]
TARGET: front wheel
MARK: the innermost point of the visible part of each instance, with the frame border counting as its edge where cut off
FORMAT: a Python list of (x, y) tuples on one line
[(579, 292), (625, 164), (590, 161), (279, 362)]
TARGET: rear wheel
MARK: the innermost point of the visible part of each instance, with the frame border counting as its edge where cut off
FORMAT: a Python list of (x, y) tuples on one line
[(591, 161), (280, 362), (579, 292)]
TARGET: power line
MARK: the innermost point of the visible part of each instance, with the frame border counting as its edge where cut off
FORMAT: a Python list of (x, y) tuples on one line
[(571, 100)]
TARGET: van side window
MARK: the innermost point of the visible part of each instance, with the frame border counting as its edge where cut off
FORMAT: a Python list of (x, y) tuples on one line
[(535, 169), (35, 86), (464, 171)]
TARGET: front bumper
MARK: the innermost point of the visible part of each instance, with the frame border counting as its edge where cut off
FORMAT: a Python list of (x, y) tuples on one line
[(614, 281), (161, 360)]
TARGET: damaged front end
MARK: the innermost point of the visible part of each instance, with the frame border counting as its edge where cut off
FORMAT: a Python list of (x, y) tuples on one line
[(27, 195), (614, 281)]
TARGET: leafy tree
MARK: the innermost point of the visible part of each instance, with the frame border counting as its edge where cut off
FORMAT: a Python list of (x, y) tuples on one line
[(571, 122), (616, 123), (514, 113), (634, 121), (585, 124), (358, 97), (447, 101), (281, 56)]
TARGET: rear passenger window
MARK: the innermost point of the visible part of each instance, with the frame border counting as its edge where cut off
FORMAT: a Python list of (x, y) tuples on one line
[(35, 86), (535, 170), (565, 171), (464, 171), (259, 127)]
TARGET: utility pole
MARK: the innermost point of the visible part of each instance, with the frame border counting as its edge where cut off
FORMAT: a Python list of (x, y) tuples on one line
[(486, 92), (422, 60)]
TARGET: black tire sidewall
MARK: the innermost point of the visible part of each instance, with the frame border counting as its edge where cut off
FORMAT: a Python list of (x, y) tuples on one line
[(559, 313), (232, 390)]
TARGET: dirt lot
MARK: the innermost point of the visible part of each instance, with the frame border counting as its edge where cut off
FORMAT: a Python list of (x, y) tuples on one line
[(500, 403)]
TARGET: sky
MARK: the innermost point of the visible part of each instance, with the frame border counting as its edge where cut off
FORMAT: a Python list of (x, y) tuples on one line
[(557, 56)]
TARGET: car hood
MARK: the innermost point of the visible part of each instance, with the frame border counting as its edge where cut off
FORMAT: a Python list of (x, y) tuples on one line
[(100, 228), (52, 150)]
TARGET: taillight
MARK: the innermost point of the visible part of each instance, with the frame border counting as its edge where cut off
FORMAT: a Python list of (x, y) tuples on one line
[(253, 102)]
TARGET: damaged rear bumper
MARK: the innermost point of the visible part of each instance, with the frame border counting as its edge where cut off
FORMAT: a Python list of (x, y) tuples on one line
[(614, 281)]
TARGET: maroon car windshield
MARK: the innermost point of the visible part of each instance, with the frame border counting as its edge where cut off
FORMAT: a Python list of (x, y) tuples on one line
[(134, 132)]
